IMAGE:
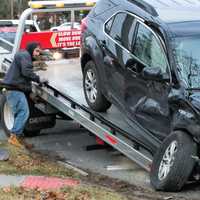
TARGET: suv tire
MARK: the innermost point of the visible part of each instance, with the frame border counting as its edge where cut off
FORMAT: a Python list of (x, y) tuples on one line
[(173, 162), (92, 89)]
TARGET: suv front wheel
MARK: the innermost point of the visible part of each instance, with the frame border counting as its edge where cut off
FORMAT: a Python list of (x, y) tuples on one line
[(173, 162), (92, 89)]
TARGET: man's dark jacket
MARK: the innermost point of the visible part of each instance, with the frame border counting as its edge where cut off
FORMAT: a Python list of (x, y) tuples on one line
[(20, 73)]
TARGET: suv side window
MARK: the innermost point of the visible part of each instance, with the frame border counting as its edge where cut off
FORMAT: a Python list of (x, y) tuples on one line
[(148, 49), (116, 29), (121, 28), (108, 25)]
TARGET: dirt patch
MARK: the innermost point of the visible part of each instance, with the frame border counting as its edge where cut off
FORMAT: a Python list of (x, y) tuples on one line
[(132, 192)]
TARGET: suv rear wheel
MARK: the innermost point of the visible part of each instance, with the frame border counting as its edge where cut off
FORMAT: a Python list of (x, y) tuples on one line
[(173, 162), (92, 90)]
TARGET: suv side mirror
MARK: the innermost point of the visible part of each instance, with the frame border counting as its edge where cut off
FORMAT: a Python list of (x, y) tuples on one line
[(151, 73), (154, 73)]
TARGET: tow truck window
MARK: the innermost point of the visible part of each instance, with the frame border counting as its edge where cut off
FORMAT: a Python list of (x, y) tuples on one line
[(8, 30), (7, 37), (80, 14), (8, 33), (52, 21)]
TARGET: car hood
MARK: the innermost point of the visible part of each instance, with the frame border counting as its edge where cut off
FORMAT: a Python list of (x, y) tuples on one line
[(180, 96)]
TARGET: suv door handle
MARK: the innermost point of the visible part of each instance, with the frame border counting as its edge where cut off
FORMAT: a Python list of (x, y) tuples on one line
[(103, 44)]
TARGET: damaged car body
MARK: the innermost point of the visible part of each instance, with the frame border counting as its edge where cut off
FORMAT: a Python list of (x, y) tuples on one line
[(144, 57)]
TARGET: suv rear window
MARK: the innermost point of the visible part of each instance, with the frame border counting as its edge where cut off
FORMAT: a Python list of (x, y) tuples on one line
[(121, 28)]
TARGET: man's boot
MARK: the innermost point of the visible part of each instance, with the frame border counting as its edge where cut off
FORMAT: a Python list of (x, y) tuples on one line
[(19, 142), (14, 140)]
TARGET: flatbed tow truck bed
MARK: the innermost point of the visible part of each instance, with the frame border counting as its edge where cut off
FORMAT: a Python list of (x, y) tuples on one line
[(65, 93)]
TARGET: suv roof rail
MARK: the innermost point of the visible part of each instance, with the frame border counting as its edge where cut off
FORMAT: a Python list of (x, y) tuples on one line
[(145, 6)]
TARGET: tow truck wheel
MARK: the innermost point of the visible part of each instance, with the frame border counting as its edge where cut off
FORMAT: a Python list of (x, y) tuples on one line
[(92, 89), (7, 117), (173, 162)]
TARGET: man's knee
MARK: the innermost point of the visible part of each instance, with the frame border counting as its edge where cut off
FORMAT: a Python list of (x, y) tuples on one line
[(24, 107), (26, 113)]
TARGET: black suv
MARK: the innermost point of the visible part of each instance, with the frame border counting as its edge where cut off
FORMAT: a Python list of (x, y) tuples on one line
[(143, 56)]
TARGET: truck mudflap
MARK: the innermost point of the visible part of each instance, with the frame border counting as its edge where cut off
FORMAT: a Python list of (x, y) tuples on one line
[(42, 121), (38, 118)]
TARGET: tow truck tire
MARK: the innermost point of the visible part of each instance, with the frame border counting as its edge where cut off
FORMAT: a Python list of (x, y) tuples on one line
[(173, 162), (92, 89), (7, 118)]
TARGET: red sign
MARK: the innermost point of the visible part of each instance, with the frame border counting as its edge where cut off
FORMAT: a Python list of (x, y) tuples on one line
[(50, 40)]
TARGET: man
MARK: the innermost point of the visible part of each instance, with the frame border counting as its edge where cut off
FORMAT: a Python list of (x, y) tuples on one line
[(19, 78)]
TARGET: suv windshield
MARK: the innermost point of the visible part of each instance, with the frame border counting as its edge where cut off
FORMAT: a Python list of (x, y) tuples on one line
[(186, 44), (187, 53)]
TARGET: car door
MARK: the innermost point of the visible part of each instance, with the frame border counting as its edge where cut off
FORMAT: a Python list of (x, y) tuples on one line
[(148, 82), (118, 40)]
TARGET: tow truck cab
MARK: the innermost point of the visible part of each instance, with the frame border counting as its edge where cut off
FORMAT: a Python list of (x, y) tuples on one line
[(53, 14)]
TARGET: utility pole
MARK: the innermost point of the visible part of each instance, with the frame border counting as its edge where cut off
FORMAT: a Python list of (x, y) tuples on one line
[(19, 7), (11, 9)]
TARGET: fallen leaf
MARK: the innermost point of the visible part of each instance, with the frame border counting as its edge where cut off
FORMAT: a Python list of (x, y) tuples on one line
[(7, 189)]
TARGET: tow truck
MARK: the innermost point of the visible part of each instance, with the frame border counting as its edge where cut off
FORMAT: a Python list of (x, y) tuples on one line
[(63, 96)]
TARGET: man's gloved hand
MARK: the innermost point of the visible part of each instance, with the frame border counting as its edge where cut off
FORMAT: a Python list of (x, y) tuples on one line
[(43, 80), (34, 97), (39, 65)]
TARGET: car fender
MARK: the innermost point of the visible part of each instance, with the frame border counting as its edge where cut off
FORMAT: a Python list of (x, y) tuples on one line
[(186, 120), (91, 50)]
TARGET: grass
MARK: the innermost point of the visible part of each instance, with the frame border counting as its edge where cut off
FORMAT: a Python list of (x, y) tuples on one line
[(22, 162), (75, 193)]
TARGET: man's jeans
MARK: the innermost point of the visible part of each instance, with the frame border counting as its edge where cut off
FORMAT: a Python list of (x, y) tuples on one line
[(19, 106)]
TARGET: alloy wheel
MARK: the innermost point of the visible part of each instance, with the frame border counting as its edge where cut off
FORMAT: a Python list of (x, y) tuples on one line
[(167, 160), (90, 85)]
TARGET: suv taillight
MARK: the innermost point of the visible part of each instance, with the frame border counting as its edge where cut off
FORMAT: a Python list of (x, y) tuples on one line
[(83, 24)]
